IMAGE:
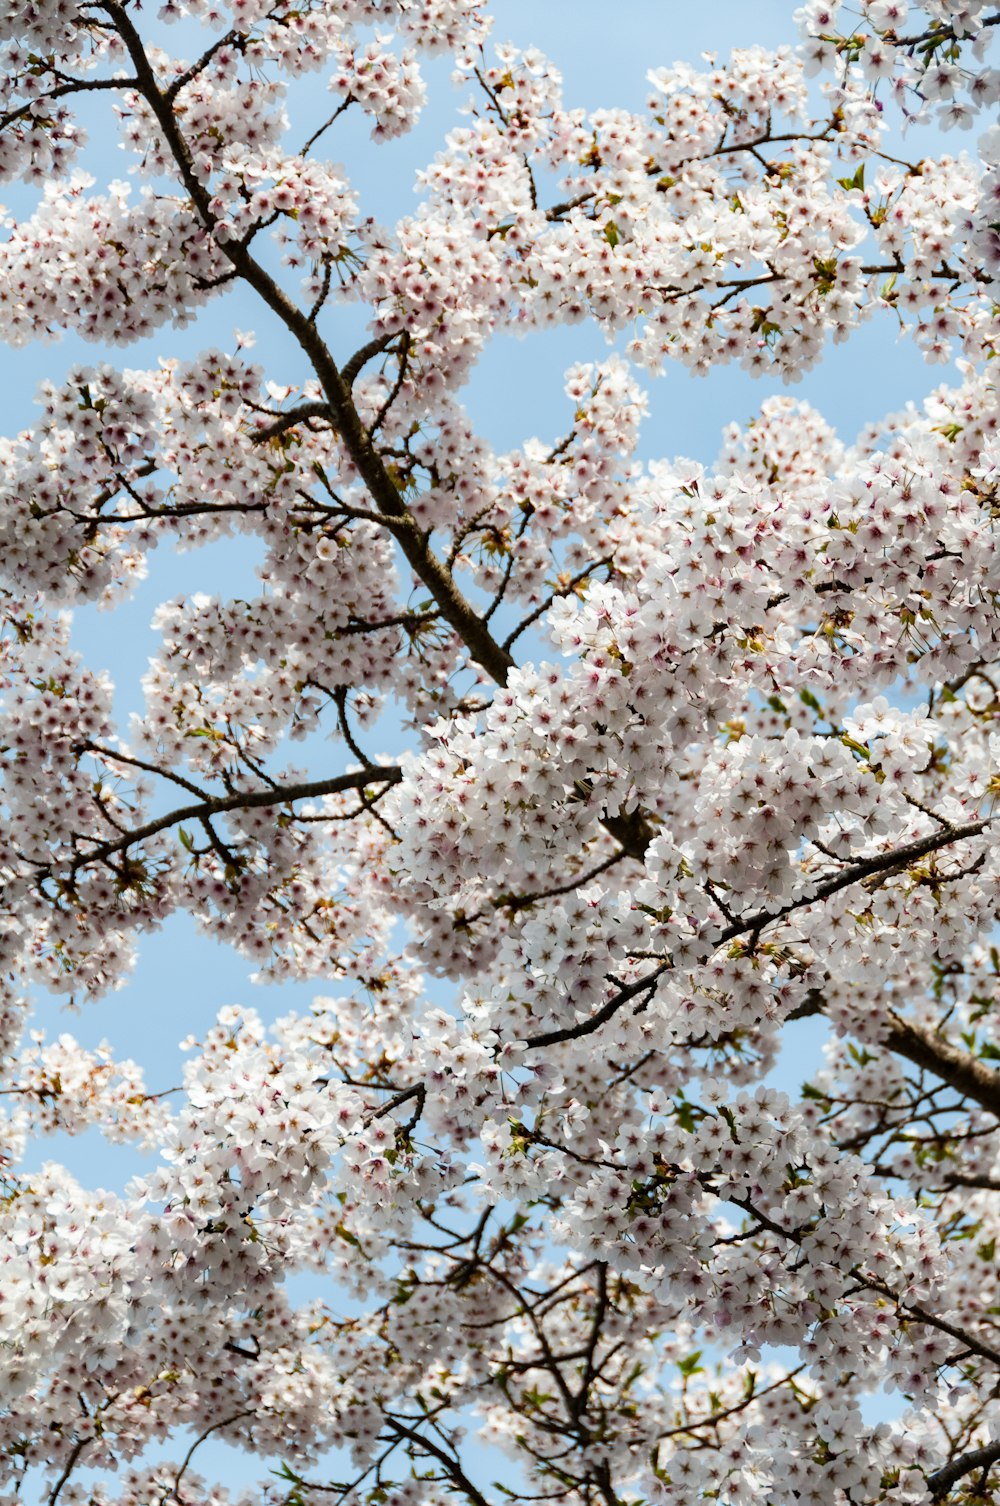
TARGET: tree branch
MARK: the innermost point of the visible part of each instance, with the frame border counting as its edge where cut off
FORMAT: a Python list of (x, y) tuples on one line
[(451, 1465), (942, 1480), (75, 1453), (75, 86), (413, 540), (965, 1073), (352, 368), (245, 800), (886, 862), (291, 420), (960, 1070), (214, 1427)]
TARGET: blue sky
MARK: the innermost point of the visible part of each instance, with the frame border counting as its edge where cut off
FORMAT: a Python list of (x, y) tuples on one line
[(604, 52)]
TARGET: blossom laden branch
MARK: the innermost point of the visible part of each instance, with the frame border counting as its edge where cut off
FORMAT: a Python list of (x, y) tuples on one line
[(343, 414), (885, 863), (273, 795)]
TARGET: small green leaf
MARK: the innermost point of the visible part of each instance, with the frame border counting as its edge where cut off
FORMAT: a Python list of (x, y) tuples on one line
[(858, 181)]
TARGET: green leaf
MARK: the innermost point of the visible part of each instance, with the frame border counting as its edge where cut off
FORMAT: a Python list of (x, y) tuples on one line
[(287, 1473), (855, 746), (858, 181), (611, 234)]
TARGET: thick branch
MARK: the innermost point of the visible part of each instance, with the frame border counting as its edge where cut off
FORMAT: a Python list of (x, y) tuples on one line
[(353, 368), (960, 1070), (980, 1458), (967, 1074), (291, 420), (413, 541)]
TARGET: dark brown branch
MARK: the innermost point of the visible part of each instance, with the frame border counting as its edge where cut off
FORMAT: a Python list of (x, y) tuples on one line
[(908, 1311), (148, 468), (564, 590), (557, 211), (961, 1179), (291, 420), (417, 1091), (514, 902), (886, 862), (408, 621), (913, 1310), (960, 1070), (324, 290), (141, 763), (714, 1418), (980, 1458), (214, 1427), (344, 105), (940, 32), (351, 369), (244, 800), (397, 387), (75, 86), (75, 1453), (344, 417), (453, 1468), (230, 38)]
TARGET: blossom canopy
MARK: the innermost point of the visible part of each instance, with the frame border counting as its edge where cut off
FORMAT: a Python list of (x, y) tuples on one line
[(679, 756)]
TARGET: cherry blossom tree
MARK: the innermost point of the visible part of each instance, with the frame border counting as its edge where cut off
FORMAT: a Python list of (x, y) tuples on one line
[(692, 753)]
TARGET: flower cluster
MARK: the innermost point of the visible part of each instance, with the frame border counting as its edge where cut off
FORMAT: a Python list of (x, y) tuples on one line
[(927, 54)]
